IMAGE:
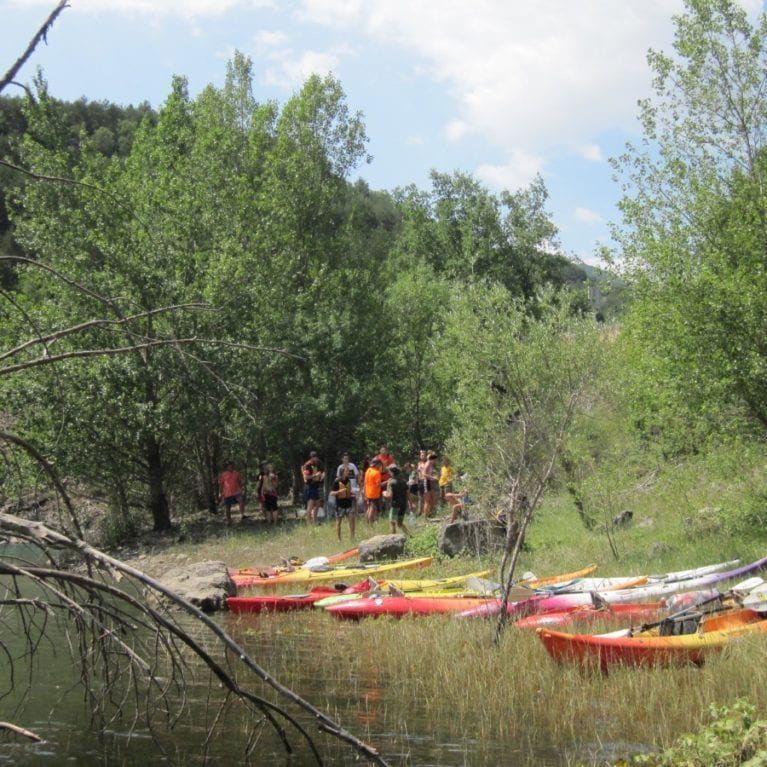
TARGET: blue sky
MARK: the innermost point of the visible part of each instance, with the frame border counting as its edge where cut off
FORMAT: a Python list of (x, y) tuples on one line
[(501, 89)]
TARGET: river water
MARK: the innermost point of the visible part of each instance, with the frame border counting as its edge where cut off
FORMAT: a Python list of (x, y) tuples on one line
[(50, 702)]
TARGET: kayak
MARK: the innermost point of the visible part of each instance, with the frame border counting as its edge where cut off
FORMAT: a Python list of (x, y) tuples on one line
[(278, 603), (398, 607), (538, 583), (345, 572), (596, 584), (334, 599), (282, 603), (660, 646), (293, 563), (430, 584), (457, 585), (542, 603), (631, 581), (621, 614)]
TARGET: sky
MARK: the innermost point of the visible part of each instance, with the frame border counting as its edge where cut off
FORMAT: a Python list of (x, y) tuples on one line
[(499, 89)]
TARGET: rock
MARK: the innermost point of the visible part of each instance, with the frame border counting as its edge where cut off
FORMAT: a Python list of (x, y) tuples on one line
[(706, 521), (478, 536), (205, 584), (381, 547), (658, 549)]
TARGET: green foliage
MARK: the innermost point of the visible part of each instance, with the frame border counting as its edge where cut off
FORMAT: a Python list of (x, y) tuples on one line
[(695, 238), (424, 542), (519, 383), (735, 738)]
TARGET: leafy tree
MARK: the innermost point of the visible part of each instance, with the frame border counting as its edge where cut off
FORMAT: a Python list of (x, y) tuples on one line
[(695, 237), (468, 234), (519, 384)]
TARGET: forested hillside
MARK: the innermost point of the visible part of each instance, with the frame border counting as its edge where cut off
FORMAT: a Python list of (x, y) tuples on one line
[(206, 283)]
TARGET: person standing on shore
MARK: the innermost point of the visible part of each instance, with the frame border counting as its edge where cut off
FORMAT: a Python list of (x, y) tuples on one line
[(313, 475), (373, 491), (269, 491), (230, 490), (342, 492), (446, 477), (396, 489), (431, 486)]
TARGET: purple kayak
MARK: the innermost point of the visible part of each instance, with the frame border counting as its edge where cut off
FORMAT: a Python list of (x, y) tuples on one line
[(543, 603)]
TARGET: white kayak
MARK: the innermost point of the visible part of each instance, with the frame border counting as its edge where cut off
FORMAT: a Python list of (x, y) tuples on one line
[(583, 585)]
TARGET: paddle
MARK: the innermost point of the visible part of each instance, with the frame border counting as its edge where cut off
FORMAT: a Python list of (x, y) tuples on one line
[(736, 591), (756, 599)]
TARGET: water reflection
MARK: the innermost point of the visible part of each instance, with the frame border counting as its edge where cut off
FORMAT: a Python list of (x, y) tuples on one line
[(308, 652)]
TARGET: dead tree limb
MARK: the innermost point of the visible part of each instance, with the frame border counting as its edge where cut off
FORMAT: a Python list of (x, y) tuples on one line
[(105, 620), (20, 731), (42, 34)]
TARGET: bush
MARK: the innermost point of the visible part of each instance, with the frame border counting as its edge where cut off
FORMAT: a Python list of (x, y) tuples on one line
[(735, 738)]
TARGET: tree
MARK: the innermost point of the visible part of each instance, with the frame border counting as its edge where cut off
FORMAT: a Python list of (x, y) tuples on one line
[(519, 384), (120, 644), (695, 236)]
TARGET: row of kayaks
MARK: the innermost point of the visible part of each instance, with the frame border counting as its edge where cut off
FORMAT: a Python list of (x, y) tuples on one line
[(672, 617)]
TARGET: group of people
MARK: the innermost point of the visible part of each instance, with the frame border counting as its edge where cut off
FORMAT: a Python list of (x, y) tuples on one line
[(382, 487), (379, 487)]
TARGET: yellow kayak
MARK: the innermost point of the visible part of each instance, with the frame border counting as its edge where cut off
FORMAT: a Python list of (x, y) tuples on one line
[(339, 572), (457, 582)]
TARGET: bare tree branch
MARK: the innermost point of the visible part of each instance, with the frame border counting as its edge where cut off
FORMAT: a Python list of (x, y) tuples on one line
[(20, 731), (91, 611), (41, 35), (49, 470)]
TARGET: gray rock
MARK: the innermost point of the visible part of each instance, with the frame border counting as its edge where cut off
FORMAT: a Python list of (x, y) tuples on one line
[(205, 584), (476, 536), (658, 549), (381, 547)]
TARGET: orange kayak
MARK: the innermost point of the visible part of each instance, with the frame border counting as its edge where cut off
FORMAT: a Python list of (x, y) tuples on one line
[(656, 646)]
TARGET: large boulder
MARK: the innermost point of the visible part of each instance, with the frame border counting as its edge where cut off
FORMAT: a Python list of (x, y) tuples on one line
[(475, 536), (381, 547), (205, 584)]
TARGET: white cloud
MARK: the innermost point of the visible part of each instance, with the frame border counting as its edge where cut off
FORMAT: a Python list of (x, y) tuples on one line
[(266, 41), (185, 9), (591, 152), (522, 75), (517, 173), (587, 216), (289, 69)]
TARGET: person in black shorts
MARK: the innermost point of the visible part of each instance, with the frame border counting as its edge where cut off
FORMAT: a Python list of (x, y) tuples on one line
[(342, 491), (396, 488)]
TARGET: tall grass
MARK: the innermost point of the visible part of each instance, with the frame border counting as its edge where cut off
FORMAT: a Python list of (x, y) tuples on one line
[(444, 678)]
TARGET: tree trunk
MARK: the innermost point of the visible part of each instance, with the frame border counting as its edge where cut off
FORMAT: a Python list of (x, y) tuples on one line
[(158, 499)]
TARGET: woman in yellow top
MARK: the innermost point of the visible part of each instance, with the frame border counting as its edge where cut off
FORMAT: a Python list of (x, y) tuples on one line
[(446, 477)]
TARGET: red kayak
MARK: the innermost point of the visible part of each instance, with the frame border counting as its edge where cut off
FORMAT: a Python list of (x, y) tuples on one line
[(283, 603), (620, 614), (400, 606)]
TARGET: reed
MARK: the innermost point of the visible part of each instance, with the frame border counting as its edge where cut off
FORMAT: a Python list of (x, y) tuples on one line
[(444, 676)]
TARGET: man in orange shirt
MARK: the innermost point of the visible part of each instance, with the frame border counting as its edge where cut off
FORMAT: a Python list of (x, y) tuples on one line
[(230, 490), (373, 491)]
